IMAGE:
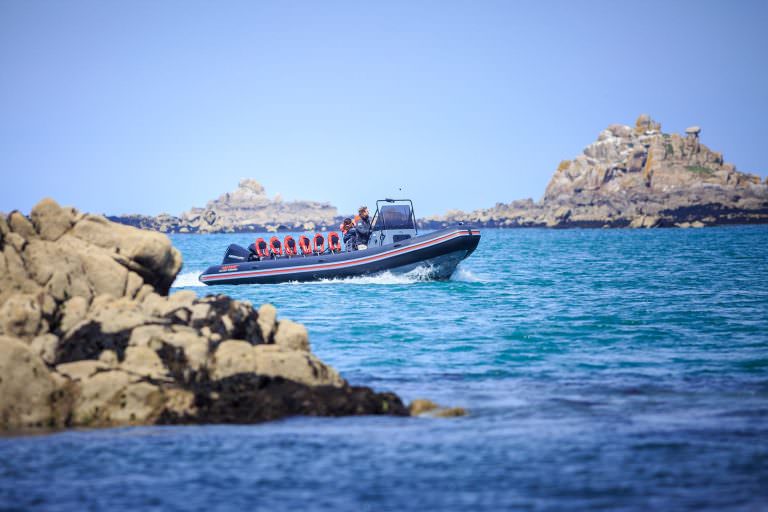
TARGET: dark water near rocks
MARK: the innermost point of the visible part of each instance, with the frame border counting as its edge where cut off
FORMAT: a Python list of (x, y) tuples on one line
[(603, 369)]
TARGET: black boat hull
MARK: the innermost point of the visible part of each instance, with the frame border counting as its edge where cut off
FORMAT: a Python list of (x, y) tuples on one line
[(438, 253)]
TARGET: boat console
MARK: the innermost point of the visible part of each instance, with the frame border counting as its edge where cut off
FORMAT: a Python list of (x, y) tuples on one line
[(393, 222)]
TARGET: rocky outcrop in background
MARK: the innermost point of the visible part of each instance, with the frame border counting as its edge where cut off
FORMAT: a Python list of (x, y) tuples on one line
[(636, 177), (247, 209), (632, 176), (90, 337)]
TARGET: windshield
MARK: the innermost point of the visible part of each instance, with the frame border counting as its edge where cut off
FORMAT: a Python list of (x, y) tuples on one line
[(397, 216)]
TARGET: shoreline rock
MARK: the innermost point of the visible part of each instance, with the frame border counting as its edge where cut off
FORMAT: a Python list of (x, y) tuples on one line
[(89, 337), (428, 408)]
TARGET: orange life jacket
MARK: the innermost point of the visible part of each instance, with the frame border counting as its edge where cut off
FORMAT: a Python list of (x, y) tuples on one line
[(262, 250), (318, 243), (305, 245), (289, 246), (334, 243), (275, 246)]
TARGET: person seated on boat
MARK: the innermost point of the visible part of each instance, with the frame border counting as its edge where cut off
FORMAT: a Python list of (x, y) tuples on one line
[(349, 234), (346, 225), (362, 225)]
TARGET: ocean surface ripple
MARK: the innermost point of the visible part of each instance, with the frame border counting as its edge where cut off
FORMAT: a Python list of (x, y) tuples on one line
[(603, 369)]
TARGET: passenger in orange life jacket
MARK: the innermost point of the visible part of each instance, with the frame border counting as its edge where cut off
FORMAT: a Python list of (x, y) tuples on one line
[(346, 226), (362, 225), (349, 234)]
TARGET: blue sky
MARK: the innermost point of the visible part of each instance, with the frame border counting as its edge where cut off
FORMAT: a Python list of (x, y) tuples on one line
[(153, 107)]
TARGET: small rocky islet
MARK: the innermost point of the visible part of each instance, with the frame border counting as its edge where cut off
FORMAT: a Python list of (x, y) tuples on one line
[(631, 176), (638, 177), (90, 337), (246, 209)]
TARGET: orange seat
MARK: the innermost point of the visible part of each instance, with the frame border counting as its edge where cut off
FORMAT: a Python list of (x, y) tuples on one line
[(275, 246), (334, 242), (262, 249), (289, 246), (318, 243), (304, 245)]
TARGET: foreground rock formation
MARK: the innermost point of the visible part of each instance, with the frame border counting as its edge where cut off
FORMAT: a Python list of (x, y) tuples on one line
[(246, 209), (89, 337), (635, 177)]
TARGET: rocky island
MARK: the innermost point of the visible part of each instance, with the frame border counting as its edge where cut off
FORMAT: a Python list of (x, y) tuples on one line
[(247, 209), (631, 176), (635, 176), (90, 337)]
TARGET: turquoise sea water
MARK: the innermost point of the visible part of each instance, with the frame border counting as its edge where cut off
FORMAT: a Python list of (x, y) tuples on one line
[(603, 369)]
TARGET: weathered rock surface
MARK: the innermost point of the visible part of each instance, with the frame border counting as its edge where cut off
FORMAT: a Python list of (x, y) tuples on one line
[(635, 177), (247, 209), (249, 398), (26, 387), (423, 407), (90, 337)]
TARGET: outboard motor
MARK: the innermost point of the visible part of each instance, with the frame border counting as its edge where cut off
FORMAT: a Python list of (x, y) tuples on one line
[(318, 244), (289, 246), (275, 247), (334, 242), (236, 254), (259, 248), (304, 245)]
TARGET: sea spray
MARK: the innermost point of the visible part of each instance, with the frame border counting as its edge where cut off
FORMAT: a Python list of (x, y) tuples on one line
[(187, 280), (384, 278), (463, 275)]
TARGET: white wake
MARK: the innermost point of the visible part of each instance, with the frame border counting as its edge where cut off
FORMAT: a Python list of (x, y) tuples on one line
[(417, 275), (385, 278), (466, 276), (187, 280), (191, 279)]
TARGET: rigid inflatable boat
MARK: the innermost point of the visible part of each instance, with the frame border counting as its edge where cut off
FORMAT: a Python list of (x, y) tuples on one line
[(394, 245)]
